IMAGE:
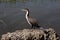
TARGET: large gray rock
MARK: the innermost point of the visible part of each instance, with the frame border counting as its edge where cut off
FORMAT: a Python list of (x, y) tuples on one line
[(32, 34)]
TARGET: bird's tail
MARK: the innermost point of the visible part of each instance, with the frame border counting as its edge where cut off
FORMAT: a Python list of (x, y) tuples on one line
[(38, 26)]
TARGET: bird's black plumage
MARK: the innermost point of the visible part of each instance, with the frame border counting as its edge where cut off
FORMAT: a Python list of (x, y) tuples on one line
[(33, 22)]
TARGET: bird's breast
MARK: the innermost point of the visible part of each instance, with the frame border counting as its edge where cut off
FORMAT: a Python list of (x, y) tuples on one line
[(28, 20)]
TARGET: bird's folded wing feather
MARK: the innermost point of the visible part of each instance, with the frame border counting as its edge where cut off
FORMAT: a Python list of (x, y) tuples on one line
[(32, 20)]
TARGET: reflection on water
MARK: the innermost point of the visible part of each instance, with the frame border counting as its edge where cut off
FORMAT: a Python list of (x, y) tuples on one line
[(47, 12)]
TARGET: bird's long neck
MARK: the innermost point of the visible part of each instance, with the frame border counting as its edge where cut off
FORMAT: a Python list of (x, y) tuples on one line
[(27, 13)]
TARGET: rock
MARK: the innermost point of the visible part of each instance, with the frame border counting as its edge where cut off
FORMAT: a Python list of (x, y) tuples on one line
[(32, 34)]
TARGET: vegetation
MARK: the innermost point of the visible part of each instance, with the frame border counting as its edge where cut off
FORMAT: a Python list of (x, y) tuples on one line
[(27, 0), (7, 0)]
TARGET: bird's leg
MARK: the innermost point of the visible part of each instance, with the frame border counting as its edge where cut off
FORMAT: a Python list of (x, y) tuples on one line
[(32, 27)]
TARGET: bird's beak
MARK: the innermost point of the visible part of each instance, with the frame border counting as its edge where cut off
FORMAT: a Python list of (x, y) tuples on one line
[(22, 10)]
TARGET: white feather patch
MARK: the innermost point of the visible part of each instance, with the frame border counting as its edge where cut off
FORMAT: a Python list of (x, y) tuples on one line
[(27, 18)]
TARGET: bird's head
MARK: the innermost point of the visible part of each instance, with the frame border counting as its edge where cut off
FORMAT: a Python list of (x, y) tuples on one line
[(25, 9)]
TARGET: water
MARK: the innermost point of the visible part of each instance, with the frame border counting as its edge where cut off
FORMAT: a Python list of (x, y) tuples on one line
[(46, 12)]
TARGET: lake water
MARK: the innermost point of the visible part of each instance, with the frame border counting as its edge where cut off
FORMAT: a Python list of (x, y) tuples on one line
[(46, 12)]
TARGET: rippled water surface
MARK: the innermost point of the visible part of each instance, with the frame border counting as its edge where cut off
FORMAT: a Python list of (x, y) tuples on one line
[(47, 12)]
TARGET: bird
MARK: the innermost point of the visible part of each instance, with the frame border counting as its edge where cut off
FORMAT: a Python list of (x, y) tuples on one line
[(31, 20)]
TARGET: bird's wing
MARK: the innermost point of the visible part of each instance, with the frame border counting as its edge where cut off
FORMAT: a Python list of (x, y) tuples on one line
[(32, 20)]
